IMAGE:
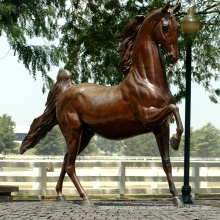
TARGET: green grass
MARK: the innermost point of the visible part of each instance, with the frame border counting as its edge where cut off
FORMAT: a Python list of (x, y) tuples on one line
[(127, 197), (11, 169)]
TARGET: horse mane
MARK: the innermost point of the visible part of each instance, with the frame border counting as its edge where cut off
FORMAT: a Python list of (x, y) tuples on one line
[(128, 37)]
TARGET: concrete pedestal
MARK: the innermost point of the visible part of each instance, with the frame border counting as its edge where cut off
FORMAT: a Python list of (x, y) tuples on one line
[(5, 193)]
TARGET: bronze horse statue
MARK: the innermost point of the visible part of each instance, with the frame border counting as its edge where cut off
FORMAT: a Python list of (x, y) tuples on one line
[(142, 103)]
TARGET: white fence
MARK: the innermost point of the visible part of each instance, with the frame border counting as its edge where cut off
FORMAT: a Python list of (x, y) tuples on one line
[(139, 158), (125, 177)]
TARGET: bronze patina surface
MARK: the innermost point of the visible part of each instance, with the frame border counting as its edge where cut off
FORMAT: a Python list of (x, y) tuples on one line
[(142, 103)]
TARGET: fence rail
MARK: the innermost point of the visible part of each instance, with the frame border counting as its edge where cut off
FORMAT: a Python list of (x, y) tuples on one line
[(138, 158), (129, 177)]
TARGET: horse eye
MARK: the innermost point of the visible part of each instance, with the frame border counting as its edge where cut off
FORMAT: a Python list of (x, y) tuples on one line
[(165, 28)]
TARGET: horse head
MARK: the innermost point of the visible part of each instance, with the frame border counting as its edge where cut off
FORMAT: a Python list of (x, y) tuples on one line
[(160, 25), (166, 32)]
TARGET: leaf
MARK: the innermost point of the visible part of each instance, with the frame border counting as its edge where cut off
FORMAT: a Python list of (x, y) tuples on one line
[(217, 92), (213, 99), (92, 37)]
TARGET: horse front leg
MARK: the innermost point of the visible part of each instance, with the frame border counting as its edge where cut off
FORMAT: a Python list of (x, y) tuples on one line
[(162, 137), (175, 140), (155, 116)]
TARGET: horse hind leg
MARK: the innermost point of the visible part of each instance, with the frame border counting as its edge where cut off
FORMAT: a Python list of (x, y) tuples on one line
[(73, 131), (85, 139), (70, 168), (60, 197), (162, 138)]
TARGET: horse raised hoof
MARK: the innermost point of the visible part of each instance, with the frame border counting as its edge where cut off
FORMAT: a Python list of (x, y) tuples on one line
[(61, 199), (178, 202), (174, 143), (88, 202)]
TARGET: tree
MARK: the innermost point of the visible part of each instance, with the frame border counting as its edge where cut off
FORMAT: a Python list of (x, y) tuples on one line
[(53, 144), (143, 145), (90, 42), (91, 149), (7, 135), (108, 146), (21, 20), (205, 43), (88, 38), (205, 142)]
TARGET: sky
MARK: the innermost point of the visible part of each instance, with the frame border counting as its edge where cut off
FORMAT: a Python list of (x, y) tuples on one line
[(21, 96)]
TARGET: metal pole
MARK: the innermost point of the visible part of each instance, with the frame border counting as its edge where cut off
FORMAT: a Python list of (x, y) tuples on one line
[(186, 189)]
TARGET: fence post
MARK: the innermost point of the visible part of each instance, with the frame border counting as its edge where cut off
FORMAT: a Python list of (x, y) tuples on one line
[(196, 184), (204, 172), (122, 180), (43, 191), (96, 173), (36, 172), (155, 173)]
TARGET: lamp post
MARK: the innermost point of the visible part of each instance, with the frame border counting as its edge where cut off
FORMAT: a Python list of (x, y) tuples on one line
[(190, 25)]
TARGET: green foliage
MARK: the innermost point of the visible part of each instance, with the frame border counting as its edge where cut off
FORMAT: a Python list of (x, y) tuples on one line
[(88, 38), (25, 19), (53, 144), (205, 142), (143, 145), (91, 149), (205, 50), (7, 135), (109, 147)]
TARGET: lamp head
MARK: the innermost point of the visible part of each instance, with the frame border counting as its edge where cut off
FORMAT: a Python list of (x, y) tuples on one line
[(190, 23)]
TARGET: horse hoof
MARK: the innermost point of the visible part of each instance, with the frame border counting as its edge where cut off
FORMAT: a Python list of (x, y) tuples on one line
[(87, 202), (174, 143), (60, 199), (178, 202)]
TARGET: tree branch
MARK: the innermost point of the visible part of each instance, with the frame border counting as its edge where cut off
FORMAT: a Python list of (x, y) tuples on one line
[(5, 55), (204, 23), (206, 12), (180, 15), (212, 6), (92, 7)]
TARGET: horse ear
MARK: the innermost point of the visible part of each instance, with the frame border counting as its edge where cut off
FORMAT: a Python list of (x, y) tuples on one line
[(165, 8), (176, 8)]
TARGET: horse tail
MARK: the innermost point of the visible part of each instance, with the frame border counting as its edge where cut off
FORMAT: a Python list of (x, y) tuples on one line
[(44, 123)]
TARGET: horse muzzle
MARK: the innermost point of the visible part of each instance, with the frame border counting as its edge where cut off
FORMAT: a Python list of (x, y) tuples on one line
[(171, 58)]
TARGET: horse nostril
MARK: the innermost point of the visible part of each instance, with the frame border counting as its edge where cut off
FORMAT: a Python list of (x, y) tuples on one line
[(171, 58)]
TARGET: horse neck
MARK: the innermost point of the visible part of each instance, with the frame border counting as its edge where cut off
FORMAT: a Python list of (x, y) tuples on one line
[(147, 63)]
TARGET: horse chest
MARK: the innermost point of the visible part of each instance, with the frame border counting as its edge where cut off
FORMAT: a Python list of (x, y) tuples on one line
[(149, 95), (155, 97)]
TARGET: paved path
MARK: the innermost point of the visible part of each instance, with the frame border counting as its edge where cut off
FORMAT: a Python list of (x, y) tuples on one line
[(112, 210)]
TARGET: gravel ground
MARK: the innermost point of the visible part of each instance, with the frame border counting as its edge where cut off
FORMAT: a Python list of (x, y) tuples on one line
[(111, 210)]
